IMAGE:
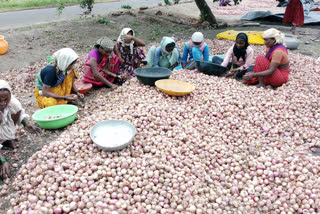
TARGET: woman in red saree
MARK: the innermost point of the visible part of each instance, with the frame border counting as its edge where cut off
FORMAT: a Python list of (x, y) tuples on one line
[(272, 69), (102, 65), (294, 14)]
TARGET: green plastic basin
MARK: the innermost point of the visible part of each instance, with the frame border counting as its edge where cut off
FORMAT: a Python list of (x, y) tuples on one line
[(68, 113)]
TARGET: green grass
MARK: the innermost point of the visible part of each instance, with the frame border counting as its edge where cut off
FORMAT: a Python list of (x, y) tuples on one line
[(152, 38), (103, 21), (126, 7), (6, 5), (134, 23), (24, 29)]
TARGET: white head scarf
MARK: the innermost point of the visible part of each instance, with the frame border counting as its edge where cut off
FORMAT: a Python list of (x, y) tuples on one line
[(63, 58), (197, 37), (125, 31), (14, 104), (4, 85), (274, 33), (164, 42)]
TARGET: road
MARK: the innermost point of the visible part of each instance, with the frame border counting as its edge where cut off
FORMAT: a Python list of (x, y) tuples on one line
[(26, 18)]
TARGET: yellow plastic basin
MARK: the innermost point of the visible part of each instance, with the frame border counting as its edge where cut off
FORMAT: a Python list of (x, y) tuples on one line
[(174, 87)]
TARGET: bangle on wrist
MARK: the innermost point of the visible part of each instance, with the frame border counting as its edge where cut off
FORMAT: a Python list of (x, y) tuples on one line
[(64, 97), (3, 160), (117, 76), (26, 123)]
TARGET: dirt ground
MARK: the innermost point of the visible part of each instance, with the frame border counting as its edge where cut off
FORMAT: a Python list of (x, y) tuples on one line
[(32, 44), (29, 48)]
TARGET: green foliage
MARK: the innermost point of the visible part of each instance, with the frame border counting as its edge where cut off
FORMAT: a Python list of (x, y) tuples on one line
[(203, 16), (126, 7), (25, 4), (236, 2), (158, 32), (60, 8), (167, 2), (134, 23), (152, 38), (87, 4), (103, 21)]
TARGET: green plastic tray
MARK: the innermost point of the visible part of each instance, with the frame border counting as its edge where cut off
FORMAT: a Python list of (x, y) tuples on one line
[(68, 113)]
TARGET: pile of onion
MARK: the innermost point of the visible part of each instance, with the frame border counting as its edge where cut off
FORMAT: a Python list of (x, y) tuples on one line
[(225, 148)]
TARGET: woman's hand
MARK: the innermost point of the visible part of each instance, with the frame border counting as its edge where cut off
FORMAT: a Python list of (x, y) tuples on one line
[(249, 76), (123, 76), (114, 87), (80, 96), (127, 38), (232, 72), (71, 97), (32, 128), (4, 169)]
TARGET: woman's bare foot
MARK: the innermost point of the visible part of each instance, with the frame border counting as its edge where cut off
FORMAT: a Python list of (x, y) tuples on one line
[(293, 29), (260, 85)]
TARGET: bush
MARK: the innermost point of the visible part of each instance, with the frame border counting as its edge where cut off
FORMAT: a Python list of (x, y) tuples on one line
[(126, 6), (103, 21)]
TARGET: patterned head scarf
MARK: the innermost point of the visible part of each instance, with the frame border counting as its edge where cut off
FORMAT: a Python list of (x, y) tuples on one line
[(274, 34), (165, 41), (63, 58), (125, 31), (105, 43)]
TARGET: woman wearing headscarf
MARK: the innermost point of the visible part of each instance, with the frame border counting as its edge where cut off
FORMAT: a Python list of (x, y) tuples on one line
[(241, 56), (166, 55), (129, 53), (294, 14), (194, 50), (273, 68), (11, 114), (55, 81), (102, 65)]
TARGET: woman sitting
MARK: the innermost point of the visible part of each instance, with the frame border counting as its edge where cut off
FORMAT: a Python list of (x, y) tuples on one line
[(194, 50), (11, 114), (55, 82), (241, 55), (272, 69), (102, 65), (128, 52), (167, 55)]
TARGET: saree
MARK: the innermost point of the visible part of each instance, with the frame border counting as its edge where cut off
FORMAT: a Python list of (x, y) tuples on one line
[(279, 77), (113, 63), (64, 88)]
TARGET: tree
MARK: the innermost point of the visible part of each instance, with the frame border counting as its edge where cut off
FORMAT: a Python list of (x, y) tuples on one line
[(85, 4), (88, 4), (205, 12)]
